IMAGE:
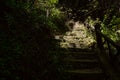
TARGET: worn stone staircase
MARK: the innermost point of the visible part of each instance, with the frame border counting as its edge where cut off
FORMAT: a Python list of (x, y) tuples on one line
[(83, 64)]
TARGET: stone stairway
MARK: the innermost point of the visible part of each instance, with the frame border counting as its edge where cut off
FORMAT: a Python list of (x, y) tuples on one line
[(83, 64)]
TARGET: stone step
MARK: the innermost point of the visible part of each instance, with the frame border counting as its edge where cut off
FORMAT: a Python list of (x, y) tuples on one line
[(89, 77), (85, 71), (86, 74), (80, 63), (83, 55), (81, 60), (79, 50)]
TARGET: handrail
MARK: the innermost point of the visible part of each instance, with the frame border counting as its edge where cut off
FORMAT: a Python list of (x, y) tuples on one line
[(109, 40), (100, 42)]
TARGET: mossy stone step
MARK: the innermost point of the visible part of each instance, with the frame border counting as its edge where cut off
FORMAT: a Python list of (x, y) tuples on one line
[(82, 55), (77, 64), (86, 74), (85, 71), (79, 50), (82, 64), (82, 52), (81, 60)]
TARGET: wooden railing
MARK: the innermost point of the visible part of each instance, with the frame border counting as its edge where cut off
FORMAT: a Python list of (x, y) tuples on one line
[(105, 44)]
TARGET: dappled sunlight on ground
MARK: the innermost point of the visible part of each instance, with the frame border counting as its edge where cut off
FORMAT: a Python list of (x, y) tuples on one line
[(77, 37)]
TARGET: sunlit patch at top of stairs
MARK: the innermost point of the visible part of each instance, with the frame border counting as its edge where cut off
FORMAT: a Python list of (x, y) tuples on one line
[(77, 37)]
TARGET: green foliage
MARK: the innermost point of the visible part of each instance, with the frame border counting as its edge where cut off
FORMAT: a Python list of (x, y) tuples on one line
[(110, 28), (26, 35), (26, 40)]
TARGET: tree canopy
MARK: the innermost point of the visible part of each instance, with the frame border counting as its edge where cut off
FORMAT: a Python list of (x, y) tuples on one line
[(27, 29)]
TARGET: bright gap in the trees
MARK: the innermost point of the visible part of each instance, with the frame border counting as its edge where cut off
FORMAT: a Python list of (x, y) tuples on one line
[(78, 36)]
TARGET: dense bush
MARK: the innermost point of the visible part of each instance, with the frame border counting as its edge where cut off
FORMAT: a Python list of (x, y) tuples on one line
[(26, 40)]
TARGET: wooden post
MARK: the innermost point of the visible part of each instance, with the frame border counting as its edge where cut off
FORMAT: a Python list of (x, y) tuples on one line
[(111, 55), (98, 36), (118, 50)]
